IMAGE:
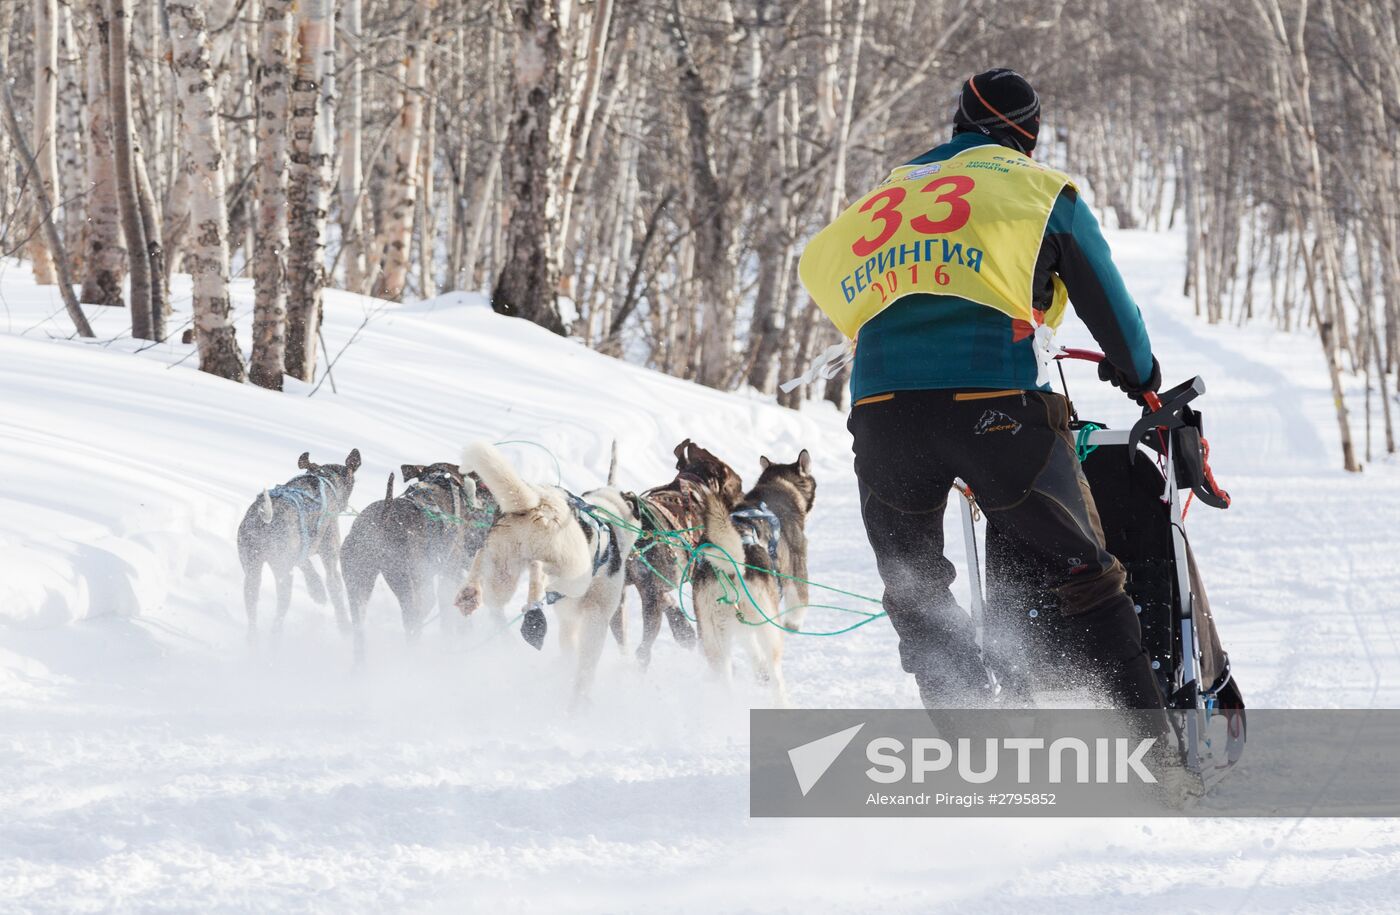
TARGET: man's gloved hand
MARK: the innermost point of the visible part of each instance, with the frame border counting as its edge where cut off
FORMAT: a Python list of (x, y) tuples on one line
[(1120, 379)]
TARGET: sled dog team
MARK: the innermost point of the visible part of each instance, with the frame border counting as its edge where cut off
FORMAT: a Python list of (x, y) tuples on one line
[(466, 535)]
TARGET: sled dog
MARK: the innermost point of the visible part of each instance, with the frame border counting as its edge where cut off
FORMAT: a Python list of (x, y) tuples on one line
[(736, 594), (572, 549), (671, 521), (420, 541), (285, 526)]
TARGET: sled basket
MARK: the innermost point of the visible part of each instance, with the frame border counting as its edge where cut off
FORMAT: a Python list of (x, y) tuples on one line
[(1137, 478)]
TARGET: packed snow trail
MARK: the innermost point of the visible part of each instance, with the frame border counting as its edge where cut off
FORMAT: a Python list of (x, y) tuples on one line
[(148, 762)]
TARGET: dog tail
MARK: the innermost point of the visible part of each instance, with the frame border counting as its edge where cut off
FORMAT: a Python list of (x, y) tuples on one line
[(720, 531), (511, 493), (388, 494), (265, 507)]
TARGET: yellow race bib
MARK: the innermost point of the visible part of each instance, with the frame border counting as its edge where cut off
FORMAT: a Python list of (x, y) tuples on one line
[(969, 226)]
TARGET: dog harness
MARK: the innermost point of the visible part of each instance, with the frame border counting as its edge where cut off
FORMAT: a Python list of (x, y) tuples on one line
[(312, 511), (420, 496), (748, 529), (672, 512), (604, 537)]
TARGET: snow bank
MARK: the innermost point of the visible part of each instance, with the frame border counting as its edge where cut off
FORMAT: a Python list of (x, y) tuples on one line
[(128, 475)]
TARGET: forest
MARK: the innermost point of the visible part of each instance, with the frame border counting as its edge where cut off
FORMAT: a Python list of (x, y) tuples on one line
[(642, 175)]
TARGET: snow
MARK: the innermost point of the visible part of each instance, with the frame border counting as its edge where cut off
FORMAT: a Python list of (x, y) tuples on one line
[(148, 762)]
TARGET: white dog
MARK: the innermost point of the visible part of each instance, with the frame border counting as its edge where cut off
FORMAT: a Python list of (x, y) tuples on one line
[(573, 549)]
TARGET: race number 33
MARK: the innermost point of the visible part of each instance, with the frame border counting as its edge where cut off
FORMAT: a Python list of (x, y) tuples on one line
[(954, 189)]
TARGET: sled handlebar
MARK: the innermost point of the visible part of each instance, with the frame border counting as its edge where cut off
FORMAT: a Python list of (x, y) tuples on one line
[(1165, 412), (1087, 355)]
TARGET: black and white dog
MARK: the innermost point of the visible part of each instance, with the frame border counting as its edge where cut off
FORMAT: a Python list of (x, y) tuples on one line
[(571, 547), (420, 541), (286, 526)]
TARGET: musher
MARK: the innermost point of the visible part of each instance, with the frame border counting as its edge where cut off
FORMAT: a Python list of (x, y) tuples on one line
[(950, 380)]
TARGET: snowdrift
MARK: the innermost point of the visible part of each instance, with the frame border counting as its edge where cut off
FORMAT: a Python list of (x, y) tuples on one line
[(128, 475)]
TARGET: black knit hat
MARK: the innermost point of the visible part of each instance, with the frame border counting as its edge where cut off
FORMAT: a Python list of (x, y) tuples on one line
[(1001, 105)]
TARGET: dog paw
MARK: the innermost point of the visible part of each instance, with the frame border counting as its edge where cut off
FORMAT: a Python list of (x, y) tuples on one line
[(317, 591), (468, 599), (684, 635), (533, 627)]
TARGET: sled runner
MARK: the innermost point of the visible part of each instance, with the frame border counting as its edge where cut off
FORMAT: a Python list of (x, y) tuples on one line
[(1143, 481)]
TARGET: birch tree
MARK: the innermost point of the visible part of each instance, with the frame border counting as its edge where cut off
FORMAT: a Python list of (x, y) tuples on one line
[(8, 182), (45, 116), (116, 25), (71, 170), (206, 255), (155, 243), (405, 169), (583, 109), (710, 215), (351, 109), (528, 282), (269, 255), (105, 256), (309, 175)]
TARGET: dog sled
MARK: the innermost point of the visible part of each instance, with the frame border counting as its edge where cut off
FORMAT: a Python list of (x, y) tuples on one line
[(1144, 480)]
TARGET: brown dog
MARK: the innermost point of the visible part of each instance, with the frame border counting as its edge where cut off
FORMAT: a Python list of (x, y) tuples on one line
[(737, 593), (659, 559)]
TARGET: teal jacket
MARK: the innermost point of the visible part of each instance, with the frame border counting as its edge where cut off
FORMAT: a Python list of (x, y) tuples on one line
[(928, 341)]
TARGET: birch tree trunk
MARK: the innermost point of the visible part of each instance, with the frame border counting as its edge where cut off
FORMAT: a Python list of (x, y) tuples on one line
[(177, 217), (115, 49), (427, 221), (580, 130), (528, 282), (839, 384), (155, 245), (149, 95), (71, 173), (206, 255), (8, 184), (710, 217), (774, 244), (105, 257), (308, 187), (352, 220), (45, 116), (269, 255), (481, 207), (395, 238)]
